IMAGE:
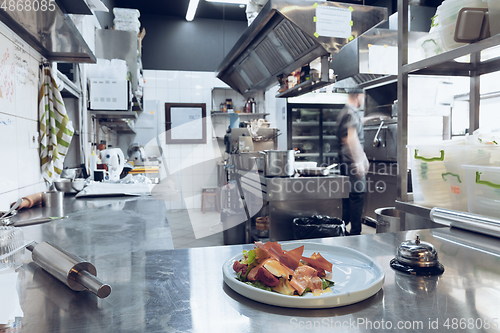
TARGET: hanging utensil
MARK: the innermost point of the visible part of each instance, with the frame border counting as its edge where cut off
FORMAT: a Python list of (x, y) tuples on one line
[(25, 223), (13, 208)]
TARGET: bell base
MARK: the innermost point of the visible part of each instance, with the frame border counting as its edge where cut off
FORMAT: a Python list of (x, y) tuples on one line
[(413, 270)]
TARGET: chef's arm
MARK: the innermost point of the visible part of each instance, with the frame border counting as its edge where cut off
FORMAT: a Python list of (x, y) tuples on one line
[(360, 162)]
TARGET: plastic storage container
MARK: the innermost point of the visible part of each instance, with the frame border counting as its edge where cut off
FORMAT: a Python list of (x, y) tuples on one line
[(126, 14), (494, 10), (448, 11), (447, 33), (483, 189), (447, 15), (127, 25), (430, 44), (11, 247), (438, 178)]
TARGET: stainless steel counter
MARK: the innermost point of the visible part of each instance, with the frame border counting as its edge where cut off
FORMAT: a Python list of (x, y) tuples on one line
[(161, 290)]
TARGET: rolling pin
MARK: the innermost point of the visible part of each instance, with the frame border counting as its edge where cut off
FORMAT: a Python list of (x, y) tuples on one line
[(71, 270), (30, 201)]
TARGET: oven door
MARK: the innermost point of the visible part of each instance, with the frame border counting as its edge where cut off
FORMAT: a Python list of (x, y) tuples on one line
[(381, 182)]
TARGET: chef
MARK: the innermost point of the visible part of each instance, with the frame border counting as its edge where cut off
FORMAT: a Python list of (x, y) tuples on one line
[(353, 161)]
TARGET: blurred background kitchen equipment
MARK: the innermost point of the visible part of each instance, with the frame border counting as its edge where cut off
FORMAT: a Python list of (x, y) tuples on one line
[(114, 159), (279, 163), (67, 185), (246, 160), (126, 169), (52, 199), (136, 154), (75, 272), (316, 171), (388, 220)]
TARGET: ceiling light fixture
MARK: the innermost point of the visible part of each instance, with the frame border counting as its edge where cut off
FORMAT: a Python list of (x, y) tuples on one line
[(193, 5), (235, 2)]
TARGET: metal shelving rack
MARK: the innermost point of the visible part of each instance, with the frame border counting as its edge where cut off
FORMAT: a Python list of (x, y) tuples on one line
[(442, 64)]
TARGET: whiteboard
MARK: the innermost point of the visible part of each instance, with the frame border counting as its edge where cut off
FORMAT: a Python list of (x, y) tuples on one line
[(7, 70), (185, 123), (18, 78)]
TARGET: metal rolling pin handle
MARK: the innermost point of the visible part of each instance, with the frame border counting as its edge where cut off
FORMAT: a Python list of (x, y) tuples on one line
[(468, 221), (71, 270)]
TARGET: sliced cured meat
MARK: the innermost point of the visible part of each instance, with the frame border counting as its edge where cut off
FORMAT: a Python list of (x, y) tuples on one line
[(239, 267), (315, 285), (317, 261), (302, 278), (290, 259), (252, 275)]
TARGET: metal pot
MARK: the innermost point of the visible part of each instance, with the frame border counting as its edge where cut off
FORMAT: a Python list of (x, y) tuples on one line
[(279, 163), (388, 220), (246, 160), (259, 162)]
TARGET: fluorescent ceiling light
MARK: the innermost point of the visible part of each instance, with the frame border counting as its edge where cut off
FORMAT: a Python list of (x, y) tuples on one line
[(193, 5), (236, 2)]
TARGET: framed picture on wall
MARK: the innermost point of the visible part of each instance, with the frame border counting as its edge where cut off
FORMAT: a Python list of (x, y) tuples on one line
[(186, 123)]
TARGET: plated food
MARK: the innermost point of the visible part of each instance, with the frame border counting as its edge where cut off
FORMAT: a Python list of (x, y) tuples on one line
[(271, 268), (357, 276)]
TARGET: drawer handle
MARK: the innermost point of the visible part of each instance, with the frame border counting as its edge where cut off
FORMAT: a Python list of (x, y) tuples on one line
[(485, 182), (451, 174), (429, 159)]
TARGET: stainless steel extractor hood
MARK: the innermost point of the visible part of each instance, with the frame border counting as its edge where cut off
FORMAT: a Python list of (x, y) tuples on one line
[(52, 33), (372, 58), (288, 34)]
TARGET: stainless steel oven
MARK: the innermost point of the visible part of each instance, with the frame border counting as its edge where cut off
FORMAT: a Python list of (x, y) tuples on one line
[(381, 150)]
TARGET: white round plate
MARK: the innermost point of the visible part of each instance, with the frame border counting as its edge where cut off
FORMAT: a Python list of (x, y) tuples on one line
[(357, 277)]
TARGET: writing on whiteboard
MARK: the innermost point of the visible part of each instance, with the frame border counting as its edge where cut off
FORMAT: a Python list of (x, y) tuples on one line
[(25, 75), (5, 122), (6, 75)]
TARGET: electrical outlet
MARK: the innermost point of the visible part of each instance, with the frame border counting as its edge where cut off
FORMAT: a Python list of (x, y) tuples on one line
[(34, 140)]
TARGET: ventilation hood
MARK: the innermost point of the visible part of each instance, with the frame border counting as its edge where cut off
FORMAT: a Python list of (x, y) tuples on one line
[(288, 34), (372, 58), (52, 33)]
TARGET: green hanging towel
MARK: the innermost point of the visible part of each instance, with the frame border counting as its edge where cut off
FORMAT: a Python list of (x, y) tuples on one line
[(56, 130)]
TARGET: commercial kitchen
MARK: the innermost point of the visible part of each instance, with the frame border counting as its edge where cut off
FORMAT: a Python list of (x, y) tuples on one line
[(148, 146)]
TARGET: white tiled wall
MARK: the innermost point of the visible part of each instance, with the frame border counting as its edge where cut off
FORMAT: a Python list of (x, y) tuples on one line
[(194, 165), (20, 166)]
